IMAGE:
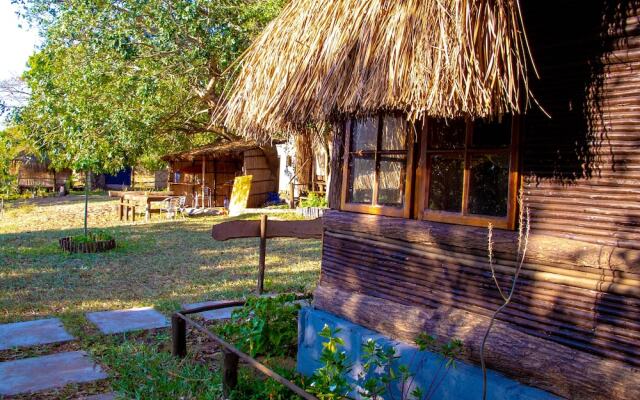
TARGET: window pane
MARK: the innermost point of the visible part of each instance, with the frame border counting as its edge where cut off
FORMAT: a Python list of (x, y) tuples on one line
[(394, 134), (492, 133), (445, 188), (365, 134), (361, 176), (489, 185), (446, 134), (392, 178)]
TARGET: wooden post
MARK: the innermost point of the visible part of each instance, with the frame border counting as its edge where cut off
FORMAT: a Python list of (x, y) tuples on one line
[(204, 174), (229, 373), (121, 208), (179, 336), (263, 253), (292, 197)]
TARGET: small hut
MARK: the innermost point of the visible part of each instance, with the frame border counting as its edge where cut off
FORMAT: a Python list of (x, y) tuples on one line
[(33, 174), (208, 172), (439, 121)]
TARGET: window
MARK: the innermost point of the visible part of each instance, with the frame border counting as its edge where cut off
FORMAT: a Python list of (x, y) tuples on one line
[(377, 179), (468, 172)]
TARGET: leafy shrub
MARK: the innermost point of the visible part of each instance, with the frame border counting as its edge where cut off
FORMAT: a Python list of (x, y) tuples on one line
[(92, 237), (266, 326), (314, 199), (379, 372), (252, 387)]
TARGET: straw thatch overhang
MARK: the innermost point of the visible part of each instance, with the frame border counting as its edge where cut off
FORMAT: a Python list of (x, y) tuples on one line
[(216, 150), (320, 61)]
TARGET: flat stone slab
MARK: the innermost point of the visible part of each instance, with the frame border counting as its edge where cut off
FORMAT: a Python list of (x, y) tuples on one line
[(36, 374), (33, 333), (212, 315), (134, 319), (103, 396), (223, 313)]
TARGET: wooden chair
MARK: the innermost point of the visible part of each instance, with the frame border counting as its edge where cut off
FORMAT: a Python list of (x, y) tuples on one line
[(206, 196), (173, 206)]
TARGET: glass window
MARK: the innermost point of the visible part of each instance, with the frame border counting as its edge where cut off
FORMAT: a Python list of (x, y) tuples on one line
[(445, 191), (377, 164), (468, 168)]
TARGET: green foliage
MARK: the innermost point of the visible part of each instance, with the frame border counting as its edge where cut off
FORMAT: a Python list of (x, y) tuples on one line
[(252, 387), (380, 370), (12, 144), (265, 326), (146, 371), (329, 382), (117, 82), (92, 237), (314, 199)]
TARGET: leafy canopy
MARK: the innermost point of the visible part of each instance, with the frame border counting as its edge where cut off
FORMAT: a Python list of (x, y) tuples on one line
[(117, 82)]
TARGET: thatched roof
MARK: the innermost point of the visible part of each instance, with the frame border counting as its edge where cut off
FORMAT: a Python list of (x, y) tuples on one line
[(323, 59), (214, 150)]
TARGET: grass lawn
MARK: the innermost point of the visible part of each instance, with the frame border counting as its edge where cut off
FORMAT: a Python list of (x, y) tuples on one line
[(161, 263)]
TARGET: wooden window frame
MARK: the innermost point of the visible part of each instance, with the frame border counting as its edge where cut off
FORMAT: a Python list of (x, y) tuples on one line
[(391, 211), (464, 217)]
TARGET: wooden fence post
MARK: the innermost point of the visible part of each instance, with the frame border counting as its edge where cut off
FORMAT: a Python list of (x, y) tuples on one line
[(263, 253), (179, 336), (292, 197), (229, 373)]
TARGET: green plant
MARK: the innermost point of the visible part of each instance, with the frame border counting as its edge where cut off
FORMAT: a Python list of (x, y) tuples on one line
[(314, 199), (380, 370), (93, 236), (252, 387), (329, 382), (265, 326)]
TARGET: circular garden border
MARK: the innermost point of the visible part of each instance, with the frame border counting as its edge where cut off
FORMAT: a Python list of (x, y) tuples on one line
[(67, 244)]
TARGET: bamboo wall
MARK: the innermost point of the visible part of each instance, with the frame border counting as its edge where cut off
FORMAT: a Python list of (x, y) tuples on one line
[(264, 180), (574, 325)]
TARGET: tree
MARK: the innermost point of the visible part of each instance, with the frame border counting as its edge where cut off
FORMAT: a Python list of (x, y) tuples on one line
[(116, 82), (142, 75)]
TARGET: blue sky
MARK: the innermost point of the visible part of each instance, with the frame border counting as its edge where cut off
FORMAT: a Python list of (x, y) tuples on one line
[(16, 44)]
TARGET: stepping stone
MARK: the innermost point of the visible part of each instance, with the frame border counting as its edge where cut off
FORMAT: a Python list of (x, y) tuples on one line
[(128, 320), (212, 315), (224, 313), (33, 333), (36, 374), (103, 396)]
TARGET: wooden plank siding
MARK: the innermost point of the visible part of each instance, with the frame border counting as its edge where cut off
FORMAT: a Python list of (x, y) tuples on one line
[(264, 181), (578, 296)]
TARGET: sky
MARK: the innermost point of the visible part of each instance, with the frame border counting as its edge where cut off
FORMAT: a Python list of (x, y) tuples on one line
[(16, 44)]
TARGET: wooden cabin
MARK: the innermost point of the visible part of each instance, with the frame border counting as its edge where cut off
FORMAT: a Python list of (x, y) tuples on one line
[(33, 174), (435, 136), (212, 169)]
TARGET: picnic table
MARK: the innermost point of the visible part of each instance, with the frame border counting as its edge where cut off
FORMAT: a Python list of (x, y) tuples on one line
[(131, 201)]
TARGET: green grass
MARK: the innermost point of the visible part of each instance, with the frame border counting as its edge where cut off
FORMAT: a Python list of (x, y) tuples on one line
[(164, 263)]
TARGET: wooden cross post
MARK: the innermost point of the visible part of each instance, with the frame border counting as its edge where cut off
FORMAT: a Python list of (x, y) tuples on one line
[(310, 229), (263, 253)]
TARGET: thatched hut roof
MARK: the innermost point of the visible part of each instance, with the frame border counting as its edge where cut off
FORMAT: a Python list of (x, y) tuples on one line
[(323, 59), (214, 150)]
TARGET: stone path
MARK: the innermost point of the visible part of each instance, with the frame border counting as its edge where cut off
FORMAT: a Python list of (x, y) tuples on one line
[(212, 315), (35, 374), (134, 319), (33, 333)]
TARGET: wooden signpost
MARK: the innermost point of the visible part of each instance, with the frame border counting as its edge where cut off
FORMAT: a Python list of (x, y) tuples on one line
[(264, 230)]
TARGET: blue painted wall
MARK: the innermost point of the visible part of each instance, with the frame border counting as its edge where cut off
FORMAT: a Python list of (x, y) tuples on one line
[(121, 178), (464, 382)]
